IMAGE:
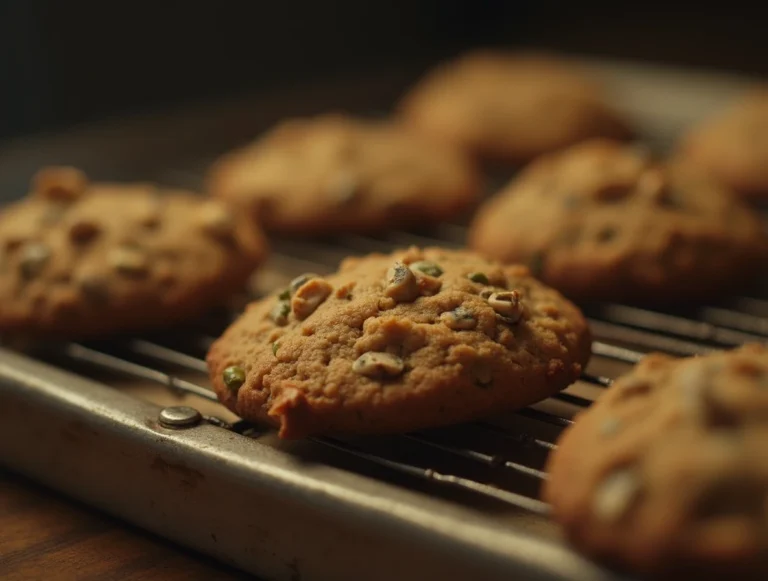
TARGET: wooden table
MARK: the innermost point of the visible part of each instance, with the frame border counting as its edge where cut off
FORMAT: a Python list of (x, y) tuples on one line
[(44, 535)]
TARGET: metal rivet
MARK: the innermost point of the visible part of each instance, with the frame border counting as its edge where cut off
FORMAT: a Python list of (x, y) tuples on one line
[(179, 416)]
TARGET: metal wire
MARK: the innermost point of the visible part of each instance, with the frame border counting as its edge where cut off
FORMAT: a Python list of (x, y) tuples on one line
[(623, 334), (169, 356)]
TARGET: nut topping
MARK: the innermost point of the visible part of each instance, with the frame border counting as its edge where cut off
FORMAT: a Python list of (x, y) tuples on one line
[(615, 495), (300, 280), (33, 258), (309, 296), (378, 365), (401, 283), (459, 319), (507, 305), (279, 313), (478, 277), (129, 261)]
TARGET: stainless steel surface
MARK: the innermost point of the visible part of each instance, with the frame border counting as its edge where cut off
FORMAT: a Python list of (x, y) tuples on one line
[(179, 416), (449, 503)]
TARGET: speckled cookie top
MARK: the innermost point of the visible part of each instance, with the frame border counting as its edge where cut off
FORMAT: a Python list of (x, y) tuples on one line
[(669, 468), (603, 220), (396, 342), (334, 172), (510, 106), (81, 258), (732, 146)]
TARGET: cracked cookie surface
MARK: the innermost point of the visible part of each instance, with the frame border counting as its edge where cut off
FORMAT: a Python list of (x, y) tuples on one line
[(393, 343), (667, 472), (81, 259)]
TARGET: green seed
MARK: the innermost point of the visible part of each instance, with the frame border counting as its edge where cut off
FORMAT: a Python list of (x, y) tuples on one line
[(536, 263), (606, 234), (279, 313), (234, 377), (401, 283), (478, 277), (429, 268), (275, 347), (459, 319), (571, 202), (284, 295)]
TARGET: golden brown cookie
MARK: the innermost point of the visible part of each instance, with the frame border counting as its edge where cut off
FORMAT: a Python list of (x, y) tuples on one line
[(393, 343), (604, 221), (668, 472), (334, 173), (732, 147), (82, 259), (510, 107)]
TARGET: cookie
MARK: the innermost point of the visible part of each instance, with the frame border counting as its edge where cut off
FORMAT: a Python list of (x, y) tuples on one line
[(605, 221), (84, 259), (732, 147), (510, 107), (667, 473), (333, 173), (399, 342)]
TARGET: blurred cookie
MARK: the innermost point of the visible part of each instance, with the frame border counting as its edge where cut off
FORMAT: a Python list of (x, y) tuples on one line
[(668, 473), (82, 259), (336, 174), (732, 147), (604, 221), (393, 343), (510, 107)]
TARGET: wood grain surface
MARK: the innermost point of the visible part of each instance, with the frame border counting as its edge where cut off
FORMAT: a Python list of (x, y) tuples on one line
[(45, 536)]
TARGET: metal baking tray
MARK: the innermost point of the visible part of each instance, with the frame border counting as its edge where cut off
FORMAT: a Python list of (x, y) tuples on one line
[(131, 427)]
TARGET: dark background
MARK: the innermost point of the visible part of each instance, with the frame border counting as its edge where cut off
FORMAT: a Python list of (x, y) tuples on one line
[(66, 62)]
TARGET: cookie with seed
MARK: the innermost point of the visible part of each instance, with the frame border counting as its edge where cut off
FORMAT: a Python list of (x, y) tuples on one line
[(668, 473), (83, 259), (511, 107), (605, 221), (392, 343), (732, 147), (336, 174)]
